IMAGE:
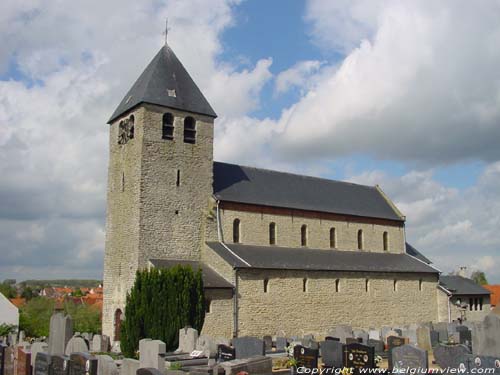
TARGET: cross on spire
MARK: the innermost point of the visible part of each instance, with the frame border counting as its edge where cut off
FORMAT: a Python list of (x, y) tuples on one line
[(166, 31)]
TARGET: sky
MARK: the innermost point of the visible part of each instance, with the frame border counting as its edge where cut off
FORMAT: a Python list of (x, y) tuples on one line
[(401, 94)]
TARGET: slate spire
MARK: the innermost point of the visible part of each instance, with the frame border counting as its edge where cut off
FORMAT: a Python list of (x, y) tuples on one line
[(165, 82)]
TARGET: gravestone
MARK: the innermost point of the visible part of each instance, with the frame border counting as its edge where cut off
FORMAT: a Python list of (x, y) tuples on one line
[(258, 365), (411, 333), (409, 356), (247, 346), (268, 343), (281, 343), (465, 338), (38, 347), (353, 340), (487, 342), (42, 363), (434, 338), (450, 355), (207, 345), (331, 353), (342, 332), (442, 330), (76, 345), (59, 365), (187, 340), (149, 371), (23, 362), (363, 335), (399, 331), (106, 365), (358, 356), (424, 338), (61, 331), (129, 366), (225, 353), (389, 334), (152, 354), (100, 344), (378, 346), (481, 363), (331, 338), (9, 360), (394, 342), (374, 334), (82, 364), (306, 357), (2, 357), (384, 331)]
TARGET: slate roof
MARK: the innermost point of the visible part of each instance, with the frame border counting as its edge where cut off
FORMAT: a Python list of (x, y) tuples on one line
[(410, 250), (459, 285), (274, 257), (165, 72), (235, 183), (211, 279)]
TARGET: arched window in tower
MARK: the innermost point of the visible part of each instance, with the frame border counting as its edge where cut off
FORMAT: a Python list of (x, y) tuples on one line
[(167, 129), (303, 235), (189, 130), (272, 234), (131, 127), (360, 239), (333, 238), (386, 241), (118, 324), (236, 230)]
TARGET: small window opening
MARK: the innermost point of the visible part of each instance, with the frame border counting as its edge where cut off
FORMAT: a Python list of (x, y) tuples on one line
[(367, 285), (272, 234), (123, 181), (208, 305), (167, 130), (337, 284), (360, 239), (177, 212), (178, 178), (333, 238), (266, 285), (189, 130), (386, 241), (481, 304), (236, 230), (395, 287), (303, 235), (304, 285), (131, 127), (420, 282)]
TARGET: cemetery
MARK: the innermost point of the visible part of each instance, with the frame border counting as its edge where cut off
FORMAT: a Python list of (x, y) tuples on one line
[(468, 348)]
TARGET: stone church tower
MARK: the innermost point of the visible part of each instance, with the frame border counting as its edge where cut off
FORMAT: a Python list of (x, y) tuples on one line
[(159, 178)]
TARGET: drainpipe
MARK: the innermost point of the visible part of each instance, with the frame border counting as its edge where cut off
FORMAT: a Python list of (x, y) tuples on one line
[(449, 308), (235, 290)]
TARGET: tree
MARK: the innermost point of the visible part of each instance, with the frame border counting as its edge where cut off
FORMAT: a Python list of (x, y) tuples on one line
[(7, 290), (86, 318), (479, 277), (161, 302), (27, 293)]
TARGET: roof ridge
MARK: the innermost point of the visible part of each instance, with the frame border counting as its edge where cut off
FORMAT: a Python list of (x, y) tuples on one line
[(299, 175)]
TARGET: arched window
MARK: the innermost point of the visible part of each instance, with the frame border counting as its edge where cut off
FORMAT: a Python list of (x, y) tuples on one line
[(266, 285), (337, 285), (420, 283), (272, 234), (208, 304), (333, 238), (131, 127), (189, 130), (367, 285), (303, 235), (395, 287), (386, 241), (236, 230), (360, 239), (167, 129), (118, 324), (304, 285)]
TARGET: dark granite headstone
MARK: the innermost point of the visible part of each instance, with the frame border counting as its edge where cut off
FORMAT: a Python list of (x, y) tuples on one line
[(330, 338), (378, 345), (409, 356), (281, 343), (268, 343), (353, 340), (450, 356), (306, 357), (484, 362), (246, 347), (42, 364), (225, 353), (394, 342), (2, 357), (331, 353), (59, 365), (148, 371), (465, 337), (434, 338), (82, 364), (23, 362), (358, 356)]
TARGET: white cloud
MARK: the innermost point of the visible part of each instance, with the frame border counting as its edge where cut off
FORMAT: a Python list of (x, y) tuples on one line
[(297, 76)]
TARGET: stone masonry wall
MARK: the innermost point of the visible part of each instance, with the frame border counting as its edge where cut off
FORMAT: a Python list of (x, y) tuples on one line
[(219, 319), (473, 314), (287, 307), (254, 230)]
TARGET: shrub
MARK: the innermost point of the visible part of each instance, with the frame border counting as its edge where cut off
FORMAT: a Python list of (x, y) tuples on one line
[(161, 302)]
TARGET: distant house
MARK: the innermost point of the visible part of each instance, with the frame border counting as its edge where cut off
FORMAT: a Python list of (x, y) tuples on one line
[(461, 298), (9, 314), (495, 294)]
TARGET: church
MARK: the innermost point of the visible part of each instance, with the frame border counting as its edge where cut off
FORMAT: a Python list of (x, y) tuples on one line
[(279, 252)]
